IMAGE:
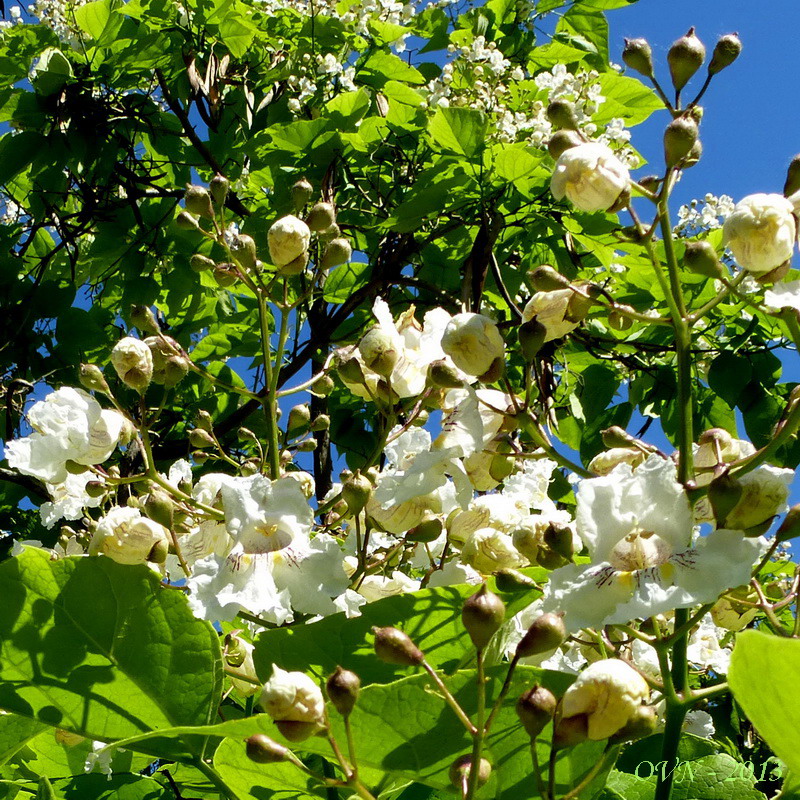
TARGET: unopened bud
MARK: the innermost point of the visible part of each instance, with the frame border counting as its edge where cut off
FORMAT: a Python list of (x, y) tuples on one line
[(790, 527), (511, 581), (546, 279), (201, 263), (74, 468), (160, 507), (343, 687), (296, 731), (143, 318), (379, 351), (218, 189), (263, 750), (532, 335), (133, 363), (185, 221), (461, 768), (200, 439), (561, 141), (501, 466), (301, 193), (356, 491), (198, 202), (724, 493), (235, 651), (338, 251), (225, 275), (792, 183), (642, 723), (685, 57), (294, 267), (321, 216), (618, 321), (243, 251), (495, 371), (546, 632), (91, 378), (159, 552), (701, 258), (307, 446), (482, 615), (561, 113), (726, 51), (559, 539), (322, 422), (395, 647), (616, 437), (535, 709), (429, 530), (570, 731), (95, 488), (444, 375), (350, 371), (323, 386), (299, 418), (679, 139), (638, 55), (581, 301)]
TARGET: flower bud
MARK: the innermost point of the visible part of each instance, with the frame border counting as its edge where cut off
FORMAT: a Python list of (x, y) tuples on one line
[(461, 768), (638, 55), (609, 693), (170, 364), (618, 321), (159, 552), (724, 493), (792, 183), (160, 507), (474, 343), (581, 301), (482, 615), (561, 141), (200, 263), (561, 113), (301, 193), (350, 371), (95, 488), (790, 527), (379, 351), (306, 446), (343, 687), (356, 491), (91, 378), (74, 468), (726, 51), (545, 633), (546, 279), (125, 536), (535, 709), (323, 386), (590, 176), (263, 750), (685, 57), (322, 422), (559, 539), (288, 238), (395, 647), (338, 251), (532, 335), (429, 530), (701, 258), (321, 217), (294, 267), (133, 363), (218, 188), (642, 723), (570, 731), (606, 461), (443, 375), (225, 275), (761, 232), (243, 251), (201, 439), (198, 201), (510, 581), (185, 221), (293, 697), (143, 318), (679, 139), (299, 418)]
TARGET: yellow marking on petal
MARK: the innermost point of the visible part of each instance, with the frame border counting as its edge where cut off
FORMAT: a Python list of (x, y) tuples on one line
[(667, 571), (625, 579)]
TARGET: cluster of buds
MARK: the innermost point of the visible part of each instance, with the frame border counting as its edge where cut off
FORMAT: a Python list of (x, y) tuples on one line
[(202, 202)]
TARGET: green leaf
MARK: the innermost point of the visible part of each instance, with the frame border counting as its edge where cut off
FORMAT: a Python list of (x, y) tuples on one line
[(99, 20), (100, 649), (431, 617), (15, 731), (514, 162), (627, 98), (728, 375), (17, 151), (765, 680), (344, 280), (382, 67), (458, 130)]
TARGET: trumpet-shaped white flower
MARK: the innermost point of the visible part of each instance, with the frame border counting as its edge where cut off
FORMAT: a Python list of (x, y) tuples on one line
[(761, 232), (590, 176), (68, 425), (551, 310), (645, 559), (68, 499), (609, 693), (127, 537)]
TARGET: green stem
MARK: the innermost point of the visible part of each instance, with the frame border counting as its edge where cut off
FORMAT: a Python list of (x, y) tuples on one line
[(216, 779), (451, 701), (477, 739), (268, 400)]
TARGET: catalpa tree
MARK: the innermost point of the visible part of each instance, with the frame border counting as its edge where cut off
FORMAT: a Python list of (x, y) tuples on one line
[(333, 336)]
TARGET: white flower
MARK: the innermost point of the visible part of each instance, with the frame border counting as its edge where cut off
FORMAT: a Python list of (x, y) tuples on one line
[(100, 759), (638, 529), (489, 550), (69, 425), (761, 232), (132, 360), (609, 692), (783, 295), (606, 461), (292, 697), (452, 574), (376, 587), (69, 499), (263, 515), (127, 537), (590, 176), (551, 310), (704, 649), (765, 491), (473, 342), (699, 723), (288, 238), (220, 587)]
